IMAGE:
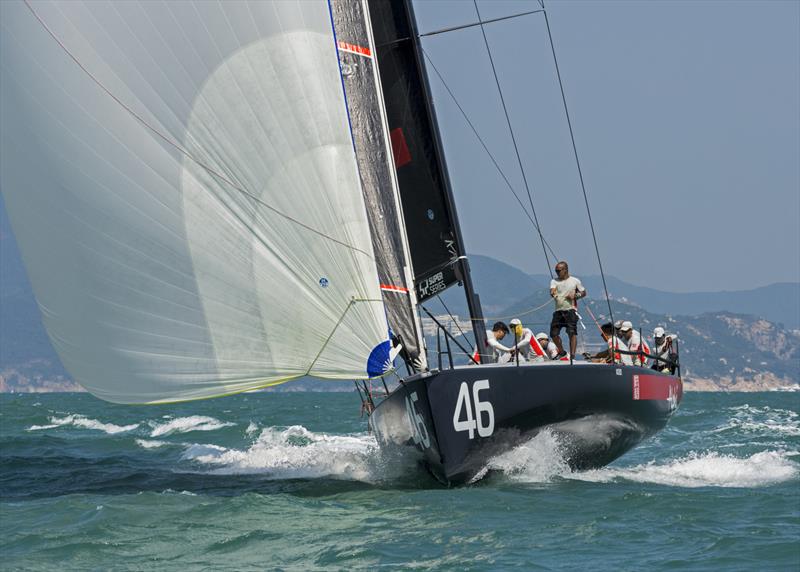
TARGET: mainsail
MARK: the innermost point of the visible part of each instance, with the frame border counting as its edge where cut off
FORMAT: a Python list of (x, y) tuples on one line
[(182, 181), (376, 167), (429, 218), (431, 221)]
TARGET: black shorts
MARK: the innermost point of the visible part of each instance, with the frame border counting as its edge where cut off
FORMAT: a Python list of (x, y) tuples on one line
[(564, 319)]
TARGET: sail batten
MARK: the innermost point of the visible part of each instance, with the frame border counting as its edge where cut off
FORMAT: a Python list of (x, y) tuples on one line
[(193, 226)]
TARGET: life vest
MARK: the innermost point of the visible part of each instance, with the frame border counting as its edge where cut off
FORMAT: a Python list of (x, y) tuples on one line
[(624, 359), (637, 346)]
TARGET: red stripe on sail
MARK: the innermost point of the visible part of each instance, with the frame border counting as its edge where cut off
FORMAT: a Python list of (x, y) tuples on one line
[(354, 49), (392, 288), (402, 156)]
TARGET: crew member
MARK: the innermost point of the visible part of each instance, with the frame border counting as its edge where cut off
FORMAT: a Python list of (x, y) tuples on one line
[(566, 290), (634, 341), (663, 344), (549, 347), (525, 343), (500, 353), (615, 347)]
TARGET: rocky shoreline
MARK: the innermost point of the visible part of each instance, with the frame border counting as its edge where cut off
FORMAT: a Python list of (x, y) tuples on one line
[(15, 381)]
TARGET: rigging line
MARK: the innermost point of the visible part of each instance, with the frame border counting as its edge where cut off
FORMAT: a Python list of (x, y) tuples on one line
[(489, 153), (578, 163), (513, 138), (178, 147), (350, 304), (446, 333), (465, 26), (526, 312), (449, 313)]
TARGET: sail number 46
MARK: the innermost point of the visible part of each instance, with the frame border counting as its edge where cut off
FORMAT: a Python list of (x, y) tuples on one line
[(483, 411)]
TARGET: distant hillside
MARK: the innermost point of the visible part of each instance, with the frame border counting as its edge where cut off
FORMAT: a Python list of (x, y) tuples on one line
[(500, 285), (779, 302)]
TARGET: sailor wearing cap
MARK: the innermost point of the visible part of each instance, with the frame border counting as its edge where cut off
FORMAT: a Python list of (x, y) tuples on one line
[(663, 344), (524, 343), (549, 347), (633, 340), (616, 344)]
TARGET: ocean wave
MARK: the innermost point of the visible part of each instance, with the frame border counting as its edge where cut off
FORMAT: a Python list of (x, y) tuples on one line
[(187, 424), (710, 469), (151, 444), (85, 423), (297, 453), (767, 420)]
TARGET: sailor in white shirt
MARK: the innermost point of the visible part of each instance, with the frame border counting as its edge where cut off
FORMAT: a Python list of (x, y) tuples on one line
[(524, 342), (500, 353), (565, 290), (615, 345), (549, 347), (633, 340), (663, 344)]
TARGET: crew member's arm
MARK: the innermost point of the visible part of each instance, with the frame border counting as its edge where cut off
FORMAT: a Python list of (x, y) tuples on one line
[(525, 341), (493, 343), (578, 293)]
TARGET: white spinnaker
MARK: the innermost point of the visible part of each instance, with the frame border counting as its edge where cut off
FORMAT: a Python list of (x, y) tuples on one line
[(160, 247)]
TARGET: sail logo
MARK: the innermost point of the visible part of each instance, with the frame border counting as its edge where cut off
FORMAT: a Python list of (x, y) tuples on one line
[(432, 285), (323, 282), (450, 245), (381, 359)]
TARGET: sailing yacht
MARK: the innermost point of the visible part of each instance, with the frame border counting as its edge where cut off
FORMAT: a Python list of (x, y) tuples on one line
[(212, 198)]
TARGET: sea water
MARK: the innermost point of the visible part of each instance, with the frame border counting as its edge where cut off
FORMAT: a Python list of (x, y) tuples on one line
[(293, 481)]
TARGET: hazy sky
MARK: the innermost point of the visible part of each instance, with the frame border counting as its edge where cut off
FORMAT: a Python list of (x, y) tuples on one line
[(687, 120)]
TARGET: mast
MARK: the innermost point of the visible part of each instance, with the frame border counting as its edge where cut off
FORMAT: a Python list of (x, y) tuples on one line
[(462, 264)]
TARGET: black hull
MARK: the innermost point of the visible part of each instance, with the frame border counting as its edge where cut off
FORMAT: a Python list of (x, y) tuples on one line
[(460, 418)]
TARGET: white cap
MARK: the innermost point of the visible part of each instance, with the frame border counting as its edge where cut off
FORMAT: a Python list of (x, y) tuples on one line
[(618, 324), (658, 332), (515, 322), (541, 335), (626, 325)]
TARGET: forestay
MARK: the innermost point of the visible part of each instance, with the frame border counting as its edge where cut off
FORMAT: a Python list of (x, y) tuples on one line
[(182, 183)]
